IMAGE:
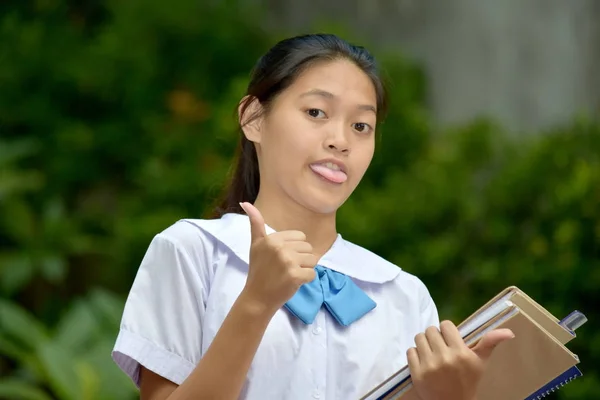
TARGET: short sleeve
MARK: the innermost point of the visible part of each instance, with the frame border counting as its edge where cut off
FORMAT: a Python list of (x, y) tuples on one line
[(429, 312), (161, 326)]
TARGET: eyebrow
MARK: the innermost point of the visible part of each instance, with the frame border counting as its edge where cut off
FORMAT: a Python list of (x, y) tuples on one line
[(331, 96)]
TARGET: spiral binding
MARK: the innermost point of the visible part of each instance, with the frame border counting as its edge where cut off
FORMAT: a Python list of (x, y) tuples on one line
[(556, 388)]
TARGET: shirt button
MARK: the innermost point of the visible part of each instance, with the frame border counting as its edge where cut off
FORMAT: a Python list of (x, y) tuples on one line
[(316, 394), (317, 330)]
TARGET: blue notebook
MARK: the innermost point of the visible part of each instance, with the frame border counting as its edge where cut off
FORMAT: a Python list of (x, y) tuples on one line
[(556, 383), (551, 387)]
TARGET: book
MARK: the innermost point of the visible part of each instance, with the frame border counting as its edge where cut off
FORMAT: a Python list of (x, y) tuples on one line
[(556, 383), (532, 364)]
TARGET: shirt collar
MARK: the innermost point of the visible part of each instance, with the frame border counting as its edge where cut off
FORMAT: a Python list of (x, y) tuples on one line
[(233, 230)]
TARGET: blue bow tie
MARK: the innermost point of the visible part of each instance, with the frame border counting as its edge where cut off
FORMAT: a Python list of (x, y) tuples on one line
[(344, 300)]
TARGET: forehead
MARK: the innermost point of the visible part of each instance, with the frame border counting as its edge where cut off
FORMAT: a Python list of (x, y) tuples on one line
[(342, 78)]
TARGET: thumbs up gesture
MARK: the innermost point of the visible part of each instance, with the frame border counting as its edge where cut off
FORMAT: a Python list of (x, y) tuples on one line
[(442, 366), (279, 263)]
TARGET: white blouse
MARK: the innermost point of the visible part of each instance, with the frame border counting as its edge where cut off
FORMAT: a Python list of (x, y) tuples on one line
[(193, 272)]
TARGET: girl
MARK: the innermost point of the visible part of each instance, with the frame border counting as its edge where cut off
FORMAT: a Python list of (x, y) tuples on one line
[(267, 300)]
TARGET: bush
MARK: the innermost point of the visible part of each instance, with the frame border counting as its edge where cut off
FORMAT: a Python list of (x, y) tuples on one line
[(117, 120), (478, 211)]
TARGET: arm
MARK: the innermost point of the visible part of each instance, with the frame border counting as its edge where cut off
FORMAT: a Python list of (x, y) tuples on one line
[(279, 264), (221, 372)]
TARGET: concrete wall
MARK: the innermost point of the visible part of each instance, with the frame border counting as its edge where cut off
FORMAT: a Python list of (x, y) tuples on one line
[(531, 64)]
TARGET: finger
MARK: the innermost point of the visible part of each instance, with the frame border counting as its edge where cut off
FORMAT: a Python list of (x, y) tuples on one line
[(451, 335), (291, 236), (307, 260), (436, 340), (306, 275), (414, 363), (299, 247), (490, 341), (257, 222), (423, 347)]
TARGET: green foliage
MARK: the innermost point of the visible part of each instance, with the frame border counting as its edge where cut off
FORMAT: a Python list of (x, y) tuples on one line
[(478, 211), (117, 120), (72, 360), (107, 117)]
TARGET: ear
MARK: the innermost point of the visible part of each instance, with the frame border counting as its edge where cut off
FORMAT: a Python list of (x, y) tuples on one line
[(250, 119)]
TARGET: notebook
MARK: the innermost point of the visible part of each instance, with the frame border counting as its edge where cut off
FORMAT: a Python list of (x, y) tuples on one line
[(536, 362)]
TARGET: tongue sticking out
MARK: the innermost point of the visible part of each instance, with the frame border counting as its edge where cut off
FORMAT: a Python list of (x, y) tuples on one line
[(329, 174)]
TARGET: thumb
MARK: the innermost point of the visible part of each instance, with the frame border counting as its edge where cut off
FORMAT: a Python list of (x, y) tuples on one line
[(488, 343), (257, 222)]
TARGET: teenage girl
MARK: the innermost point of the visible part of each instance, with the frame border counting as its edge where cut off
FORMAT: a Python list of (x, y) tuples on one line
[(267, 300)]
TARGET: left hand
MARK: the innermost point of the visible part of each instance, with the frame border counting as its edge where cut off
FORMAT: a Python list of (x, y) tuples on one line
[(442, 366)]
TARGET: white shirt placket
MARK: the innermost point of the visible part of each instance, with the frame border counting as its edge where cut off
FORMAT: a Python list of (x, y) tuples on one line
[(319, 357)]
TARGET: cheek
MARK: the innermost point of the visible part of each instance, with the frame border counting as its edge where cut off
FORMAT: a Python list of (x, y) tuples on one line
[(365, 155), (293, 142)]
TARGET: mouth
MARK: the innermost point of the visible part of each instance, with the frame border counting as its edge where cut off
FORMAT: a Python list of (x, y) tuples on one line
[(331, 170)]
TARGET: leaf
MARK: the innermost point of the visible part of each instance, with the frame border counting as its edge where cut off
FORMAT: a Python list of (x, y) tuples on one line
[(77, 327), (121, 386), (14, 182), (59, 370), (55, 221), (54, 212), (25, 359), (10, 350), (90, 381), (15, 389), (11, 151), (16, 271), (53, 268), (108, 306), (18, 220), (20, 326)]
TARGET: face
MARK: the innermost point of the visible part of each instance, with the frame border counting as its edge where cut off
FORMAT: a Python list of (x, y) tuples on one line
[(317, 140)]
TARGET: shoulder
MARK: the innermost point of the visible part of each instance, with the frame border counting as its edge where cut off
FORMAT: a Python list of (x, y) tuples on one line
[(190, 233), (231, 233), (381, 270), (186, 243), (363, 264), (186, 250)]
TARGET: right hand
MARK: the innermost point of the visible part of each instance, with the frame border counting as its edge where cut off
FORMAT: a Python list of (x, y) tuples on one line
[(279, 263)]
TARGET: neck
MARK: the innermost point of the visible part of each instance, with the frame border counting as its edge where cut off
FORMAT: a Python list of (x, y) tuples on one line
[(320, 229)]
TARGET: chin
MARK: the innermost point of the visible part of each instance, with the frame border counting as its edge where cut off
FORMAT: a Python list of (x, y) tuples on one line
[(321, 203), (324, 209), (320, 198)]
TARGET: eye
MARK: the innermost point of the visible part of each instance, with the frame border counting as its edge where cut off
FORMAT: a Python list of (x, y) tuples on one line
[(362, 127), (315, 113)]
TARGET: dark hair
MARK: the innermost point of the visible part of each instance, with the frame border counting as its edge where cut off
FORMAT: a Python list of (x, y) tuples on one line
[(274, 72)]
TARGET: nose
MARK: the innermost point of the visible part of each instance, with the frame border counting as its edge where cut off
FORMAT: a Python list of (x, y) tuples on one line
[(337, 141)]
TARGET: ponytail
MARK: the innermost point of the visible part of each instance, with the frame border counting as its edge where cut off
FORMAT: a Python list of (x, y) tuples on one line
[(244, 182)]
